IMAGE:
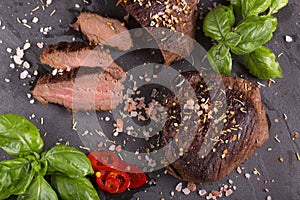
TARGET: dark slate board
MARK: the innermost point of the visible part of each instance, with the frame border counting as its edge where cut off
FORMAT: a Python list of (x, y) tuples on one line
[(282, 179)]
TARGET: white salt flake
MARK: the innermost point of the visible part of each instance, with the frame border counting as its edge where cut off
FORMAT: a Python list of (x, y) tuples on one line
[(40, 45), (9, 50), (288, 38), (202, 192), (112, 147), (18, 60), (35, 72), (48, 2), (247, 175), (12, 65), (186, 191), (7, 80), (178, 187), (24, 74), (26, 65), (20, 52), (31, 101), (228, 192), (269, 197), (26, 46), (35, 20), (77, 6)]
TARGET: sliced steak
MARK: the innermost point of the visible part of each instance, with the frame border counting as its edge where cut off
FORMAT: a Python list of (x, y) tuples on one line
[(104, 31), (178, 16), (221, 141), (80, 92), (67, 56)]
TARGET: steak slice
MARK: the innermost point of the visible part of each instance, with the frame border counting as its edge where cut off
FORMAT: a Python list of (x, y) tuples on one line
[(103, 31), (80, 92), (179, 16), (67, 56), (220, 143)]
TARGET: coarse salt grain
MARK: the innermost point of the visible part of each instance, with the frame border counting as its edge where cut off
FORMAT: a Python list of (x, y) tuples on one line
[(18, 60), (269, 197), (202, 192), (24, 74), (26, 65), (40, 45), (31, 101), (178, 187), (54, 72), (247, 175), (228, 192), (112, 147), (7, 80), (35, 20), (48, 2), (12, 65), (186, 191), (26, 46), (9, 50), (288, 38)]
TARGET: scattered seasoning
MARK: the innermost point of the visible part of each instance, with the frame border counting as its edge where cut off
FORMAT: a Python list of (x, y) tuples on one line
[(276, 120), (178, 187), (276, 138), (202, 192), (269, 197), (298, 156), (186, 191), (239, 170), (296, 135), (260, 84), (247, 175), (281, 159), (288, 39)]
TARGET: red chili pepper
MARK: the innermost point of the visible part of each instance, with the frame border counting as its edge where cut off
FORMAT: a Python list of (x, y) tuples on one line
[(112, 180), (137, 176), (103, 158)]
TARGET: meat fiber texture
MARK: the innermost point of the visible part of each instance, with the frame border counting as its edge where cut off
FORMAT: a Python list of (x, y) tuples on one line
[(79, 90), (101, 30), (229, 123), (177, 18), (71, 55)]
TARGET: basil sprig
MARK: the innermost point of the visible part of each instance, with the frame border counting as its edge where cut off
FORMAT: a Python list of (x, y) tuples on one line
[(25, 175), (247, 38)]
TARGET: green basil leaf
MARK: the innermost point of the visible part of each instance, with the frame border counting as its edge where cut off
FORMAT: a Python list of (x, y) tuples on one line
[(16, 176), (75, 189), (218, 22), (237, 5), (254, 7), (232, 39), (276, 5), (69, 161), (39, 189), (18, 136), (40, 166), (262, 63), (255, 31), (220, 60)]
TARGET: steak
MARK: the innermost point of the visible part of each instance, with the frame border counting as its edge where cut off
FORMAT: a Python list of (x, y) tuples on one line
[(213, 143), (67, 56), (80, 91), (103, 31), (177, 17)]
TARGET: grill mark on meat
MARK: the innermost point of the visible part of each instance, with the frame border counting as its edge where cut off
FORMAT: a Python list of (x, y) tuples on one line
[(253, 133), (80, 92), (186, 24), (104, 31), (66, 56)]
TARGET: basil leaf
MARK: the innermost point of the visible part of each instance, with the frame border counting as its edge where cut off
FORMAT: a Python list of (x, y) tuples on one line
[(220, 60), (237, 5), (232, 39), (276, 5), (75, 189), (218, 22), (16, 176), (254, 7), (262, 63), (255, 31), (18, 136), (69, 161), (39, 189)]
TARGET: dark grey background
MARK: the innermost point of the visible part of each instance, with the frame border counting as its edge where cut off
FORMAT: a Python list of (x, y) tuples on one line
[(282, 179)]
